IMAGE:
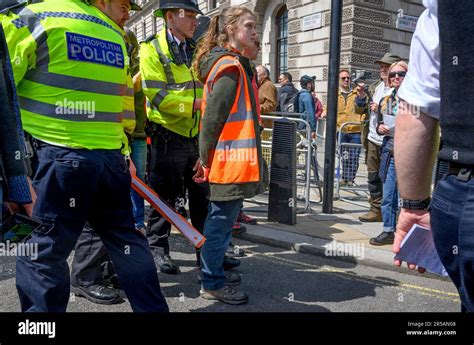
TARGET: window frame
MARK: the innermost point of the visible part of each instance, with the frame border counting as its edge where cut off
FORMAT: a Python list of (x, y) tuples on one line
[(281, 40)]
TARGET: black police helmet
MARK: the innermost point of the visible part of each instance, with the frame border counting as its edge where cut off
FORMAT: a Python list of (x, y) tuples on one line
[(190, 5)]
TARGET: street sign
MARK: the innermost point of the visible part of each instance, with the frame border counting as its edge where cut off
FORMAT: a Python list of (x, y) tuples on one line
[(406, 22), (312, 22)]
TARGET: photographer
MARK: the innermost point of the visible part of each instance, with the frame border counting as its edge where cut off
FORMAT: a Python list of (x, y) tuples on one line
[(351, 108)]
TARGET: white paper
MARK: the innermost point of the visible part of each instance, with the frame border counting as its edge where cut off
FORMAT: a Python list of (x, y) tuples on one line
[(418, 248), (389, 120)]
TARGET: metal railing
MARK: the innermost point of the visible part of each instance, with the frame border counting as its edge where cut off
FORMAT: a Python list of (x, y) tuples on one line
[(351, 171), (304, 153)]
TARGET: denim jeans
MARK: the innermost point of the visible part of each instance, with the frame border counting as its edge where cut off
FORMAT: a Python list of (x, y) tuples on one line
[(217, 230), (138, 157), (390, 199), (452, 223), (350, 155)]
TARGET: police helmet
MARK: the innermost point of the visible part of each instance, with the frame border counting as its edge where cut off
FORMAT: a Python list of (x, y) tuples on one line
[(190, 5), (134, 6)]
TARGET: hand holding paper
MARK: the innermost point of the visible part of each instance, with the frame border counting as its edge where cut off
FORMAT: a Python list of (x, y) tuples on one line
[(418, 248)]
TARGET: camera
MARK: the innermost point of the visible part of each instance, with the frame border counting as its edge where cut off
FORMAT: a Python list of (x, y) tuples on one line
[(360, 76)]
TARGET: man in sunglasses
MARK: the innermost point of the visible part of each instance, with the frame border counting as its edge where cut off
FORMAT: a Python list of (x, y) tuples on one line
[(351, 108), (373, 141)]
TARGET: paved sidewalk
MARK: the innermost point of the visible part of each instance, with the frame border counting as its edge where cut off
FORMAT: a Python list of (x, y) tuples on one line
[(341, 235)]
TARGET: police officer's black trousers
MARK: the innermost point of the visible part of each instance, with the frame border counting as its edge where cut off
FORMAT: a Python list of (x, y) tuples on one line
[(171, 170), (91, 264), (72, 187)]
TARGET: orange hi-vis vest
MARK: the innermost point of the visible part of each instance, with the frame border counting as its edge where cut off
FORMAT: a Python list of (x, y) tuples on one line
[(235, 158)]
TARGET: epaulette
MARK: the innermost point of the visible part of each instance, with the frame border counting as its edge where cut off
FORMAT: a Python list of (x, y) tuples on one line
[(149, 39)]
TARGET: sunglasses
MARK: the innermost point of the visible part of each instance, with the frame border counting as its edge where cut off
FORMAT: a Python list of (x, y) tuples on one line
[(400, 74), (345, 78)]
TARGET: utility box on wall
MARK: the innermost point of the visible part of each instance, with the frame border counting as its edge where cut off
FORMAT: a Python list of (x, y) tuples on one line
[(282, 196)]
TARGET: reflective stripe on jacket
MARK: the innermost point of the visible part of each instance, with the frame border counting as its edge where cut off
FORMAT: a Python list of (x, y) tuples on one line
[(170, 88), (70, 67), (235, 158)]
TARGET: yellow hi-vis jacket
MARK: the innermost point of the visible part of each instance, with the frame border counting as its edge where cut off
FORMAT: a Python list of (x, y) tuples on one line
[(170, 88), (70, 66)]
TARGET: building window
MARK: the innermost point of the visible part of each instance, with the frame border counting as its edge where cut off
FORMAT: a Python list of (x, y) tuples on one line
[(212, 4), (281, 41)]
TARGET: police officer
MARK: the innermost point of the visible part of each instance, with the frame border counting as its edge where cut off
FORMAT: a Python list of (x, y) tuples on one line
[(174, 99), (92, 271), (426, 104), (71, 74)]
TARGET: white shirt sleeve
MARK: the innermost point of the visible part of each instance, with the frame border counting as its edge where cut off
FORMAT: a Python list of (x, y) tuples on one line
[(421, 84)]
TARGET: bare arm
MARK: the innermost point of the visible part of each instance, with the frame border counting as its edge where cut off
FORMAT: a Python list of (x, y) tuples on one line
[(416, 143)]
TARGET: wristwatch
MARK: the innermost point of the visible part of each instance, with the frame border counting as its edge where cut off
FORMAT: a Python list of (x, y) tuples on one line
[(416, 204)]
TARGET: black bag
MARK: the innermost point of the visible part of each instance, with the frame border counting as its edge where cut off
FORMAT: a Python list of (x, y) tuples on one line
[(290, 103)]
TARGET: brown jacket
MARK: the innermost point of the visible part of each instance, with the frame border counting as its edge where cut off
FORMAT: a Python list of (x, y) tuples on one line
[(348, 111), (267, 96)]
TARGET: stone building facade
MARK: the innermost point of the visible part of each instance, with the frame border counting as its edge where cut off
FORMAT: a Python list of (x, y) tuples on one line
[(295, 33)]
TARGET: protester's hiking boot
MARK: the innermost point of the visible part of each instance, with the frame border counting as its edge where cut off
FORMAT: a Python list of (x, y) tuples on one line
[(165, 264), (382, 239), (230, 263), (246, 219), (371, 216), (234, 252), (231, 279), (227, 295), (238, 229), (99, 294)]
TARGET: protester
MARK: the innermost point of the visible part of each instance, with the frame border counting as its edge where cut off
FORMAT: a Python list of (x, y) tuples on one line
[(387, 111), (229, 125)]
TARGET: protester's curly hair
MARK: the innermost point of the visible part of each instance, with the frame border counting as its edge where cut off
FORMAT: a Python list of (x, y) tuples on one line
[(217, 34)]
